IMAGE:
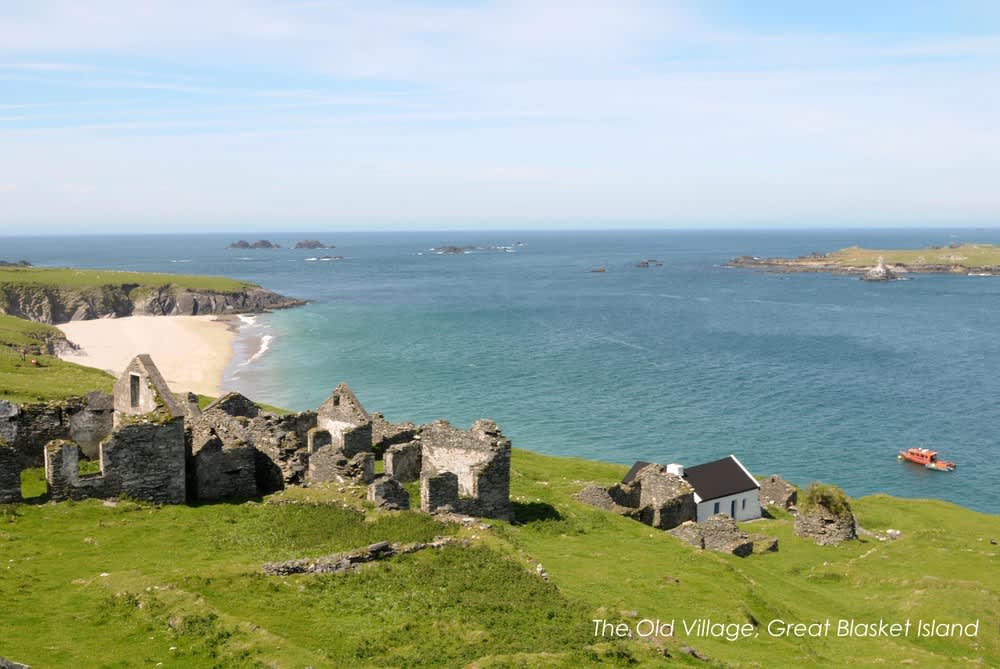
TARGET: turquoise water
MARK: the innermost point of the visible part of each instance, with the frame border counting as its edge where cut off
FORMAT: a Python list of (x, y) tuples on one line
[(810, 376)]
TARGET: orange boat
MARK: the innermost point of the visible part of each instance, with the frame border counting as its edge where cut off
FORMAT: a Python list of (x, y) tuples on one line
[(927, 458)]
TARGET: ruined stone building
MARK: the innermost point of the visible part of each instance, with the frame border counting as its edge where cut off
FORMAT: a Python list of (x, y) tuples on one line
[(144, 456), (466, 472), (154, 445)]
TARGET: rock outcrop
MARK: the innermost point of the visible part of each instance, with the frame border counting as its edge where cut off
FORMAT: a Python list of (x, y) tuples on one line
[(313, 244), (879, 273)]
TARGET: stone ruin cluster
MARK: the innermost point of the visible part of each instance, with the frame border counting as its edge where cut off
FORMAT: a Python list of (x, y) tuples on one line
[(657, 497), (157, 446)]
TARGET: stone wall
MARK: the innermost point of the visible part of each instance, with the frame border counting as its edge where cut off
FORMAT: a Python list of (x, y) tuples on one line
[(386, 434), (28, 427), (10, 475), (653, 496), (217, 467), (345, 419), (480, 460), (403, 461), (775, 491), (144, 460)]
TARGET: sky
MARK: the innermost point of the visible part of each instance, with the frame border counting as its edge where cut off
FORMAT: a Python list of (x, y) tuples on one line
[(187, 115)]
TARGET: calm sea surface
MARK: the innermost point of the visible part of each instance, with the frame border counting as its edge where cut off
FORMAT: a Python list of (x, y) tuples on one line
[(810, 376)]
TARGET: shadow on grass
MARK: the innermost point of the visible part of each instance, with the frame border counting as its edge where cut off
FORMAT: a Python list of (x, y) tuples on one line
[(530, 512)]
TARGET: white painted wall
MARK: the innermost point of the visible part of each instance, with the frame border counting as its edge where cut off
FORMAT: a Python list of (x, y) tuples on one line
[(747, 506)]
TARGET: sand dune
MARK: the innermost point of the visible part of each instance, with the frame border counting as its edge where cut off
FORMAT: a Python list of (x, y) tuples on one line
[(192, 352)]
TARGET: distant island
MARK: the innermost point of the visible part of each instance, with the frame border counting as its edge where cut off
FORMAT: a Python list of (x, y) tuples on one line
[(313, 244), (969, 259), (259, 244)]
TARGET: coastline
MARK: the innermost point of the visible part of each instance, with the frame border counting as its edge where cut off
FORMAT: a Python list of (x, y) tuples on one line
[(192, 352)]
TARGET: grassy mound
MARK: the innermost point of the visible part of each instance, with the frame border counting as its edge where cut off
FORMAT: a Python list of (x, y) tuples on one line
[(822, 495)]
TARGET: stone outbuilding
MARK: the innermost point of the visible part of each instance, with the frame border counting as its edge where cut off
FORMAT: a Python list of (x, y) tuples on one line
[(143, 458), (348, 423), (655, 496), (465, 472), (776, 491), (717, 533)]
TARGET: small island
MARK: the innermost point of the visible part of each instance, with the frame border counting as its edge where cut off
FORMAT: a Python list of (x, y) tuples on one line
[(259, 244), (968, 259), (313, 244)]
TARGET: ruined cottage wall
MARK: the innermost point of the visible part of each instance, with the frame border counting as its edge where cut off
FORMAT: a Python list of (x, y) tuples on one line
[(220, 465), (28, 427), (123, 393), (223, 472), (62, 474), (10, 475), (403, 461), (147, 461)]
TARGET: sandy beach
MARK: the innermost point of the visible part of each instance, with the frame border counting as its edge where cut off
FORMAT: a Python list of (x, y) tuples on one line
[(192, 352)]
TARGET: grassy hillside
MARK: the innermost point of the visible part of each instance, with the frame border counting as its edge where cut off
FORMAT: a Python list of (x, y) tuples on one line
[(966, 255), (51, 378), (97, 278), (134, 585)]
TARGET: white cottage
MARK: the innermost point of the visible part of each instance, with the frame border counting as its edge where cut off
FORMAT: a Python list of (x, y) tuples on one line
[(722, 486)]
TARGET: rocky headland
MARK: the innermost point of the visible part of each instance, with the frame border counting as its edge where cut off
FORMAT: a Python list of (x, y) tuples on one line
[(56, 296), (886, 264)]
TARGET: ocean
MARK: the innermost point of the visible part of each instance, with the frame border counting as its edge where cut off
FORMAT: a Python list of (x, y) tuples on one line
[(811, 376)]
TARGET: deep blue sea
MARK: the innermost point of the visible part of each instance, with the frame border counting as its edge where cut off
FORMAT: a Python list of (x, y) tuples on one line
[(810, 376)]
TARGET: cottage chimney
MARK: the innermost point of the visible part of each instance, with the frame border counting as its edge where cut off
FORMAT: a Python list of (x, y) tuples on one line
[(676, 469)]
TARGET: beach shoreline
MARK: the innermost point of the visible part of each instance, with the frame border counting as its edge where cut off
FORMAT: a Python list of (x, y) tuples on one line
[(192, 352)]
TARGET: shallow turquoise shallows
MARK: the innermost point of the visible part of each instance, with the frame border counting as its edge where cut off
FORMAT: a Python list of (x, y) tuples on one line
[(810, 376)]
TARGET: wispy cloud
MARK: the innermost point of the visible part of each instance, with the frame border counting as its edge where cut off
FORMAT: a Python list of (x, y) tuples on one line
[(564, 109)]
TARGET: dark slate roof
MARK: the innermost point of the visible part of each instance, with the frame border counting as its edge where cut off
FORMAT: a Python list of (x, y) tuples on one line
[(636, 468), (719, 478)]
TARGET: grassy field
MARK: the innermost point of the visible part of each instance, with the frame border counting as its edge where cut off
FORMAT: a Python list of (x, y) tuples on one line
[(51, 378), (135, 585), (968, 255), (91, 278)]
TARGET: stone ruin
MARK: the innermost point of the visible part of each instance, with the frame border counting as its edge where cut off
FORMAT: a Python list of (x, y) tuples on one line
[(776, 491), (143, 458), (824, 527), (718, 533), (651, 495), (661, 498), (158, 446), (466, 472)]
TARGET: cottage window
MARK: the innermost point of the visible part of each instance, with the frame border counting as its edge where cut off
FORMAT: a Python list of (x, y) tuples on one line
[(133, 388), (716, 508), (744, 502)]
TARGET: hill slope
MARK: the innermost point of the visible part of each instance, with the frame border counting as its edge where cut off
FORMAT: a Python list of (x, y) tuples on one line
[(134, 584)]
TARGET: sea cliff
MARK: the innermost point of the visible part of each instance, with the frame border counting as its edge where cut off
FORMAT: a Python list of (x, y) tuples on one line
[(60, 296)]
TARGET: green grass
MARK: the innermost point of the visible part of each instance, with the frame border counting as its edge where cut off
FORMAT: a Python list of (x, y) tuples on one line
[(51, 378), (90, 585), (824, 495), (65, 278), (967, 255)]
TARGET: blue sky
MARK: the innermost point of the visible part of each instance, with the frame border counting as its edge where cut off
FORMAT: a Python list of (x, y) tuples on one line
[(157, 115)]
